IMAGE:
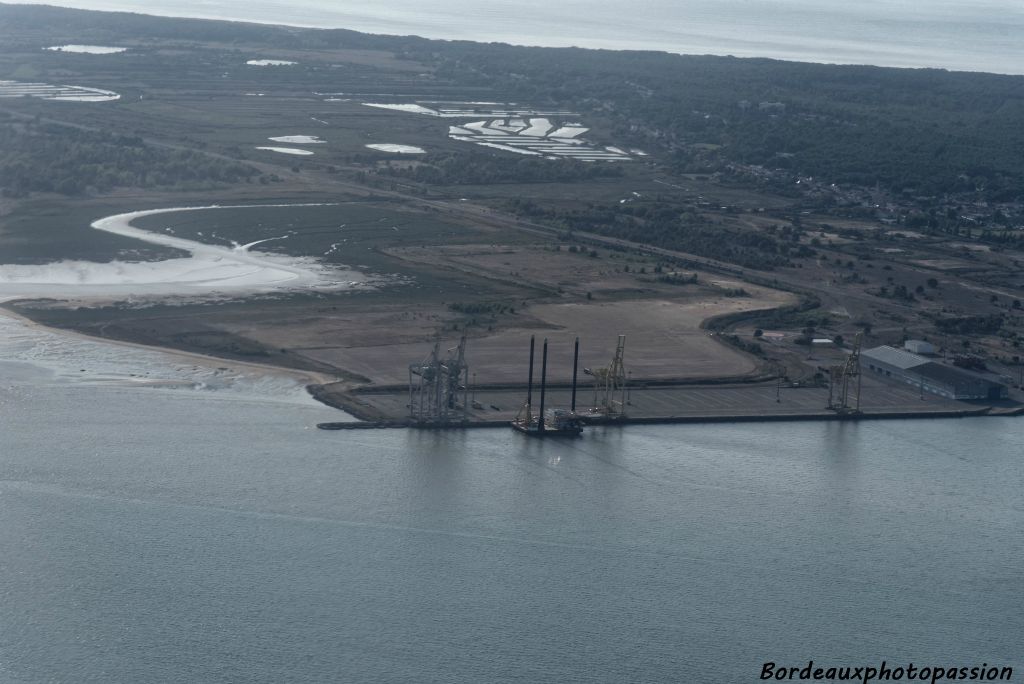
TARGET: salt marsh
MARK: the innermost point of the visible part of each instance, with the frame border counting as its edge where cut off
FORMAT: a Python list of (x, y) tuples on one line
[(209, 270), (535, 136), (88, 49), (298, 139), (287, 150), (61, 93), (270, 62), (521, 130), (396, 149), (462, 110)]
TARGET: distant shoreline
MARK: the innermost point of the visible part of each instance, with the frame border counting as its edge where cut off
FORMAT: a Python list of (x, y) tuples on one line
[(757, 41)]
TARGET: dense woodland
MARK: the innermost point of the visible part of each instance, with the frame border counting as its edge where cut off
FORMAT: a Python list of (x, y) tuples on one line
[(44, 157), (469, 169), (922, 130), (918, 132), (675, 227)]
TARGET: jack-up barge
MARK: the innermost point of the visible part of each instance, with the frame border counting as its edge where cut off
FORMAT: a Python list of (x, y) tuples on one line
[(553, 422)]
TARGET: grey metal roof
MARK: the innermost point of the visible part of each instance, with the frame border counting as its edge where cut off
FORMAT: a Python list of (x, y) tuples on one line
[(957, 377), (897, 358)]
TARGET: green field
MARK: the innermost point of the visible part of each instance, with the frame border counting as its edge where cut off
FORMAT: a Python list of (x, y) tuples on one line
[(349, 233), (43, 231)]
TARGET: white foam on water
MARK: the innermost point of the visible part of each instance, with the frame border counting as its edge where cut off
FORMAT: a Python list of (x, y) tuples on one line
[(270, 62)]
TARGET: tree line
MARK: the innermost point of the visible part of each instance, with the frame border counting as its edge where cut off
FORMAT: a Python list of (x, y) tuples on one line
[(674, 227), (50, 158), (477, 169), (926, 130)]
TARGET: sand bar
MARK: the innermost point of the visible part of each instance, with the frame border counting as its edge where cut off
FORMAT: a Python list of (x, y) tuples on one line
[(209, 270), (298, 139), (88, 49), (287, 150), (396, 149)]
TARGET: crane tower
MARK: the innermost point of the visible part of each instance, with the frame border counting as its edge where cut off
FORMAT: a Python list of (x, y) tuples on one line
[(610, 383), (436, 383), (844, 383)]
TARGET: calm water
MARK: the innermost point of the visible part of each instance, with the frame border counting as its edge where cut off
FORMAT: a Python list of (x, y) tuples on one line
[(167, 520), (208, 533), (980, 35)]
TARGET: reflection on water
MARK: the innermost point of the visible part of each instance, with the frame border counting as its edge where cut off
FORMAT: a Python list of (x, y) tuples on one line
[(178, 535), (206, 531)]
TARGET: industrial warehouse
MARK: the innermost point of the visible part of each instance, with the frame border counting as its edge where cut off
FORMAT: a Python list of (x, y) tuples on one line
[(935, 378)]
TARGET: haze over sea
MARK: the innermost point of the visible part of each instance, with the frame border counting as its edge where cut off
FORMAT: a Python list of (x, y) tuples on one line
[(980, 35)]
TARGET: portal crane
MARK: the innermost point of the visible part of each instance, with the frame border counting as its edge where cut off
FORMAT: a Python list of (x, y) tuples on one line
[(844, 381), (610, 384), (435, 384)]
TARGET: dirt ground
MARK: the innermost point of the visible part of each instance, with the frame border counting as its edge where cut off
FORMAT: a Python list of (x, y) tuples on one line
[(692, 401), (663, 340), (662, 323), (513, 291)]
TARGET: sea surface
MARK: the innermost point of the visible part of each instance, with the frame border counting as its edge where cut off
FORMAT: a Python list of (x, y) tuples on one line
[(979, 35), (165, 519)]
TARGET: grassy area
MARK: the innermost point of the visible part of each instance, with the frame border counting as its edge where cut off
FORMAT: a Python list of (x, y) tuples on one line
[(49, 229), (350, 233)]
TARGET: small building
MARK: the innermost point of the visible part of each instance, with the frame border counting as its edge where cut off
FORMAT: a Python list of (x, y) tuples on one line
[(919, 347), (950, 382)]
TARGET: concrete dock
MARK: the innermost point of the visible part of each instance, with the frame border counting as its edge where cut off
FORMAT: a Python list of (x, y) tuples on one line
[(387, 407)]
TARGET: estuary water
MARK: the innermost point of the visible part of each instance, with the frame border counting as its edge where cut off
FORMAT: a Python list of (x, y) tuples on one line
[(205, 270), (167, 520), (172, 519), (980, 35)]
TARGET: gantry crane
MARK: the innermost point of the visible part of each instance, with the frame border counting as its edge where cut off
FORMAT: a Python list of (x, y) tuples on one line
[(610, 383), (844, 381), (436, 383)]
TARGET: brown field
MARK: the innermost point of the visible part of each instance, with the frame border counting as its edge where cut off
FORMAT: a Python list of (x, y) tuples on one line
[(664, 341), (662, 322), (374, 336)]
